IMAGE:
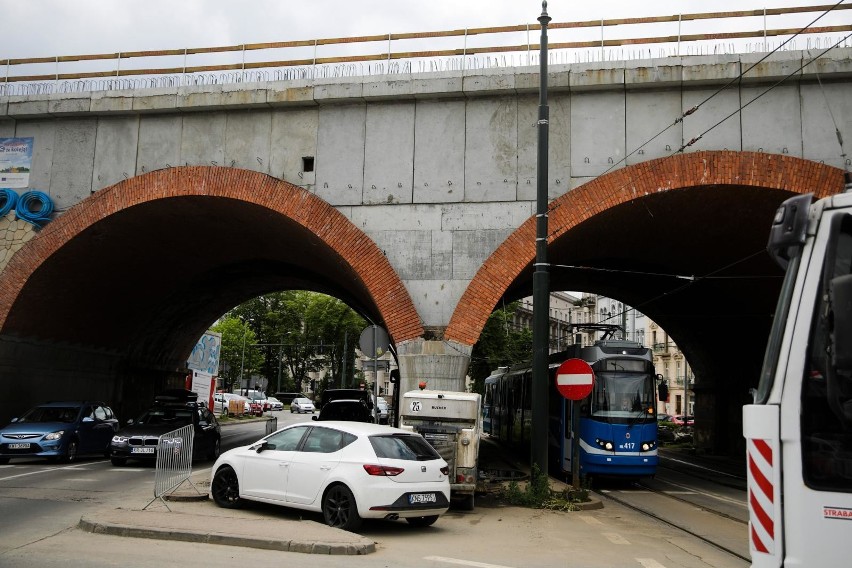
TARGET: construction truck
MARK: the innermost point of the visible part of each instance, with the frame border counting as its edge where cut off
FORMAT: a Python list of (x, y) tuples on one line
[(798, 429), (452, 423)]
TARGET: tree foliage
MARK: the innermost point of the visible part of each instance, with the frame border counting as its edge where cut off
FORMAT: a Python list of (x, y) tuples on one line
[(500, 344), (299, 332)]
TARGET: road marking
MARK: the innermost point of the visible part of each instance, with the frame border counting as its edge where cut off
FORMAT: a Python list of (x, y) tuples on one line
[(81, 467), (649, 563), (702, 467), (616, 538), (706, 493), (591, 521), (464, 562)]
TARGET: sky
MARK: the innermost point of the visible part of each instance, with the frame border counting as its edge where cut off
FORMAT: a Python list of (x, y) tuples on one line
[(34, 28)]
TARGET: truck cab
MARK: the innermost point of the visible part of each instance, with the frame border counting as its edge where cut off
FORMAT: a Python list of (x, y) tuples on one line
[(798, 429), (452, 423)]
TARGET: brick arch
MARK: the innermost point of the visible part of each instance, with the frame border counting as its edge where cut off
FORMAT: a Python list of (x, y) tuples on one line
[(345, 239), (699, 169)]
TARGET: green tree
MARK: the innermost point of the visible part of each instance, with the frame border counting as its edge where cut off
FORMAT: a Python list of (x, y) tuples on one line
[(499, 344), (299, 332)]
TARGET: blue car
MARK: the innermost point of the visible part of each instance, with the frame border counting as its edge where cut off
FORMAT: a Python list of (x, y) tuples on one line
[(59, 431)]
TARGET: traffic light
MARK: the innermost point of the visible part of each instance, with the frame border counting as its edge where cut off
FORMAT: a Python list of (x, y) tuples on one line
[(663, 391), (394, 376)]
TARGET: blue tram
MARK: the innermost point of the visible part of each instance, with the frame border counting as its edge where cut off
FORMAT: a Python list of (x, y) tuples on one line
[(618, 421)]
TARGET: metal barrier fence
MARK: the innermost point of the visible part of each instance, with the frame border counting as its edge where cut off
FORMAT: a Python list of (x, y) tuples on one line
[(271, 425), (174, 462)]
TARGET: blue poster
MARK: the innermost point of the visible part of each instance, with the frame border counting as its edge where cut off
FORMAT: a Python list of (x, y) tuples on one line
[(16, 161)]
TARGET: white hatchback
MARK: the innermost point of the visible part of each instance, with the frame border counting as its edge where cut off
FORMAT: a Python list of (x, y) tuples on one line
[(348, 471), (301, 405)]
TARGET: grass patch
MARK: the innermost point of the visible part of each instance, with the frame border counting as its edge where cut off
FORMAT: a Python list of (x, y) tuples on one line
[(537, 494)]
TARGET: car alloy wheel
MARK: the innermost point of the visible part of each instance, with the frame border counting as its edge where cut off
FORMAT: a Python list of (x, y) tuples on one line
[(71, 452), (339, 509), (215, 450), (226, 488)]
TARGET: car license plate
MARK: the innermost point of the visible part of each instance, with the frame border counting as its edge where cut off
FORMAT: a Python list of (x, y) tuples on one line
[(19, 446), (417, 498), (142, 450)]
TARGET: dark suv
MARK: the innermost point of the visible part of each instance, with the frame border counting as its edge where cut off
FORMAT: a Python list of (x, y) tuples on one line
[(170, 411)]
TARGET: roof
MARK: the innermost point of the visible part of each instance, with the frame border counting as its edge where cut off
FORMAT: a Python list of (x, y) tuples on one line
[(358, 428)]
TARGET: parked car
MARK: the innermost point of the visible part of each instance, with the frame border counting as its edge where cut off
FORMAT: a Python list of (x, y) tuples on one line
[(228, 397), (347, 471), (665, 418), (383, 410), (301, 405), (257, 401), (139, 439), (682, 420), (273, 404), (59, 431), (329, 395), (345, 410)]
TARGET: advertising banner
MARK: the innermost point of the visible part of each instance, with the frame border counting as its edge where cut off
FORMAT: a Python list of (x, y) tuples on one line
[(16, 161), (205, 354)]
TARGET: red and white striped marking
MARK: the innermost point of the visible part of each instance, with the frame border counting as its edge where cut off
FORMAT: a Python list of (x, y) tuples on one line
[(761, 495)]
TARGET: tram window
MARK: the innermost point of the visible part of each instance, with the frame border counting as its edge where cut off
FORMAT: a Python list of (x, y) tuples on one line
[(632, 365), (826, 412)]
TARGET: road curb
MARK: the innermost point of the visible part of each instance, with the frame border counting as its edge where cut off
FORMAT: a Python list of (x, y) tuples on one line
[(361, 546)]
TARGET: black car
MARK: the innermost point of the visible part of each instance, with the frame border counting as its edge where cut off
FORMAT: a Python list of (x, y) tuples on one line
[(345, 410), (59, 431), (139, 439)]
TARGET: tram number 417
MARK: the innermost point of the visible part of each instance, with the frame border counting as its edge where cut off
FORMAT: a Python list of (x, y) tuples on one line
[(627, 446)]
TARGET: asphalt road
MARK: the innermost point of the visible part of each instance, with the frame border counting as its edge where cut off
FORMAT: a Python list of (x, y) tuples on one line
[(42, 503)]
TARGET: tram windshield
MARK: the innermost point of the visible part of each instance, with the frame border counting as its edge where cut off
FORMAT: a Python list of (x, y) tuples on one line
[(623, 389)]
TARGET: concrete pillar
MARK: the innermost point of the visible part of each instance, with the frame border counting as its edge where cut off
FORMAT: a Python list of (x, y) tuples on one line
[(442, 364)]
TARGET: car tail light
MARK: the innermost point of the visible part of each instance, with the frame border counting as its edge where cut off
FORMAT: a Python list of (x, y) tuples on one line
[(382, 470), (445, 470)]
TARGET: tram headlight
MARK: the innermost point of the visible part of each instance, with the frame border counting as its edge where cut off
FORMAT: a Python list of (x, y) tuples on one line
[(648, 446), (605, 444)]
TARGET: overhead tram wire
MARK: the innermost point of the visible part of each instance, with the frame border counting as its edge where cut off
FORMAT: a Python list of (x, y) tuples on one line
[(779, 82), (736, 79)]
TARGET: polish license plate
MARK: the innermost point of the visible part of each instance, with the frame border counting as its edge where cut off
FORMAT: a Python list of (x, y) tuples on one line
[(418, 498), (25, 446), (142, 450)]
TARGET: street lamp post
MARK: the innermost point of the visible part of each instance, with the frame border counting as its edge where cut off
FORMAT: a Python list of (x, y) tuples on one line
[(541, 277)]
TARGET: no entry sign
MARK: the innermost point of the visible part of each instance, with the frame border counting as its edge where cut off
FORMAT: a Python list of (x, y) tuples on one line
[(575, 379)]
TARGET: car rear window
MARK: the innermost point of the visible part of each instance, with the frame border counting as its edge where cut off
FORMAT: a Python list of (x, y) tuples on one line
[(403, 447)]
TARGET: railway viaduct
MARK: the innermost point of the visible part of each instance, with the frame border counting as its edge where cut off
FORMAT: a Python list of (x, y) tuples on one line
[(412, 198)]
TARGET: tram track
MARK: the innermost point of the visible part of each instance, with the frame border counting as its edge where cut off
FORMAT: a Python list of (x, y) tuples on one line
[(609, 496), (698, 499)]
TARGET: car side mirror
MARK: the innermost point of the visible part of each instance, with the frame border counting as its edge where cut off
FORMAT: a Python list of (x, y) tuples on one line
[(130, 422), (262, 446), (88, 419), (14, 420)]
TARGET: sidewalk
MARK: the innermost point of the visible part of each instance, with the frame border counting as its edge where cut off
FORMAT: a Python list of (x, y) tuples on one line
[(188, 515)]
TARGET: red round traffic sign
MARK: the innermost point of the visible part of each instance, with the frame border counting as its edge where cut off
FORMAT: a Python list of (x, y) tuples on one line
[(575, 379)]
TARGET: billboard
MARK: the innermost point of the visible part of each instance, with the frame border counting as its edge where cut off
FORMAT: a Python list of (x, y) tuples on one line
[(205, 354), (16, 161)]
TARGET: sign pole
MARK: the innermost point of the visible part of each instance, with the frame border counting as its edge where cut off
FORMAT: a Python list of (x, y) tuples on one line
[(575, 380), (575, 444)]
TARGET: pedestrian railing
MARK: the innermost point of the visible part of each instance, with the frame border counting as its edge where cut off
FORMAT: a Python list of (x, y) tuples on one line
[(174, 463)]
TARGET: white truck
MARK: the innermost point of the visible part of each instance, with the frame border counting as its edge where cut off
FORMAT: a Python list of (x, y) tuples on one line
[(452, 423), (798, 429)]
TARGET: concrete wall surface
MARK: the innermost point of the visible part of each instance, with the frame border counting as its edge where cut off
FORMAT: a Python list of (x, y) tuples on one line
[(438, 169)]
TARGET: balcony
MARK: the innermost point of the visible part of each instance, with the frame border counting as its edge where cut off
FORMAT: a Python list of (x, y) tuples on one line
[(661, 348)]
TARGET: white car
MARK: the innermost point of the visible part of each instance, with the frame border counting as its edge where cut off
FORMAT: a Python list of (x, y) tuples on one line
[(348, 471), (383, 410), (301, 405), (273, 403)]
